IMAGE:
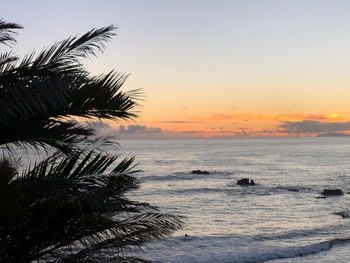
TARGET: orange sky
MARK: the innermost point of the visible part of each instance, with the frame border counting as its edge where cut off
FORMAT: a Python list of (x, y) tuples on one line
[(243, 125), (214, 68)]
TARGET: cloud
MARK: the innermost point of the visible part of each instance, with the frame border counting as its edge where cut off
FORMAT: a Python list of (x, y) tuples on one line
[(180, 122), (138, 129), (145, 132), (312, 126), (241, 116), (286, 128), (263, 131), (193, 132), (334, 134)]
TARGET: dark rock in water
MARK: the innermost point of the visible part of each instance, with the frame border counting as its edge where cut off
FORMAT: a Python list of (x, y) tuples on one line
[(245, 181), (293, 190), (343, 214), (339, 213), (320, 197), (199, 172), (332, 192)]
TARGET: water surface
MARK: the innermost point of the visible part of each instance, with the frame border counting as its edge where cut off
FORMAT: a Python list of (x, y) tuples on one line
[(230, 223)]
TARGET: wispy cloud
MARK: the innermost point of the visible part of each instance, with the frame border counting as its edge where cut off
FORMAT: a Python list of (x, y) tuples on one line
[(193, 132), (236, 117), (314, 127), (323, 125), (180, 122)]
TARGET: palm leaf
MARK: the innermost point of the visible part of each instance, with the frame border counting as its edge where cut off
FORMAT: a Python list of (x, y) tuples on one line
[(54, 84), (7, 32), (109, 102), (7, 61), (61, 135), (71, 206), (77, 203)]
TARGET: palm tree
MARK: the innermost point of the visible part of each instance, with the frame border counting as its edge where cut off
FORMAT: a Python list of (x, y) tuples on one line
[(70, 206)]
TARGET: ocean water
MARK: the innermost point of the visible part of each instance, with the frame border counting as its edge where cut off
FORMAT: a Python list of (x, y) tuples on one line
[(262, 223)]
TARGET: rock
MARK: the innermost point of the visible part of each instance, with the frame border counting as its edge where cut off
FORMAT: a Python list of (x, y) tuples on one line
[(332, 192), (199, 172), (293, 190), (245, 181), (340, 213), (320, 197), (343, 214)]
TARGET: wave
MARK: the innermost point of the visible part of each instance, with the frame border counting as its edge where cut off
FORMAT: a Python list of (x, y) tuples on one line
[(299, 234), (209, 250), (301, 251)]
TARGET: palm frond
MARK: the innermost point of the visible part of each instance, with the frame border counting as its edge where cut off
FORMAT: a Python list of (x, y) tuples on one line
[(47, 78), (61, 135), (132, 232), (29, 98), (64, 56), (109, 102), (76, 201), (54, 84), (7, 61), (10, 193), (73, 167), (82, 175), (7, 32)]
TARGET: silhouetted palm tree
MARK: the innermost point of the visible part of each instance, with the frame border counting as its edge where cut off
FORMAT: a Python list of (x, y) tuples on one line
[(71, 206)]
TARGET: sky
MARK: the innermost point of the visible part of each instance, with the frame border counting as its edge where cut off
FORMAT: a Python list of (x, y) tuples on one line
[(213, 68)]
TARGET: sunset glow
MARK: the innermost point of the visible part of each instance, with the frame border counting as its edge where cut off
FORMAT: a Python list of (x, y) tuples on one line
[(238, 68)]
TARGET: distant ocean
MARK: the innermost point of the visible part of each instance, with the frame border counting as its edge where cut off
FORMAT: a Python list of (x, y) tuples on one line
[(267, 222)]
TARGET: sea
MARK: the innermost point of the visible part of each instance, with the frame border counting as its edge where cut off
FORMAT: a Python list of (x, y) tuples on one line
[(281, 219)]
